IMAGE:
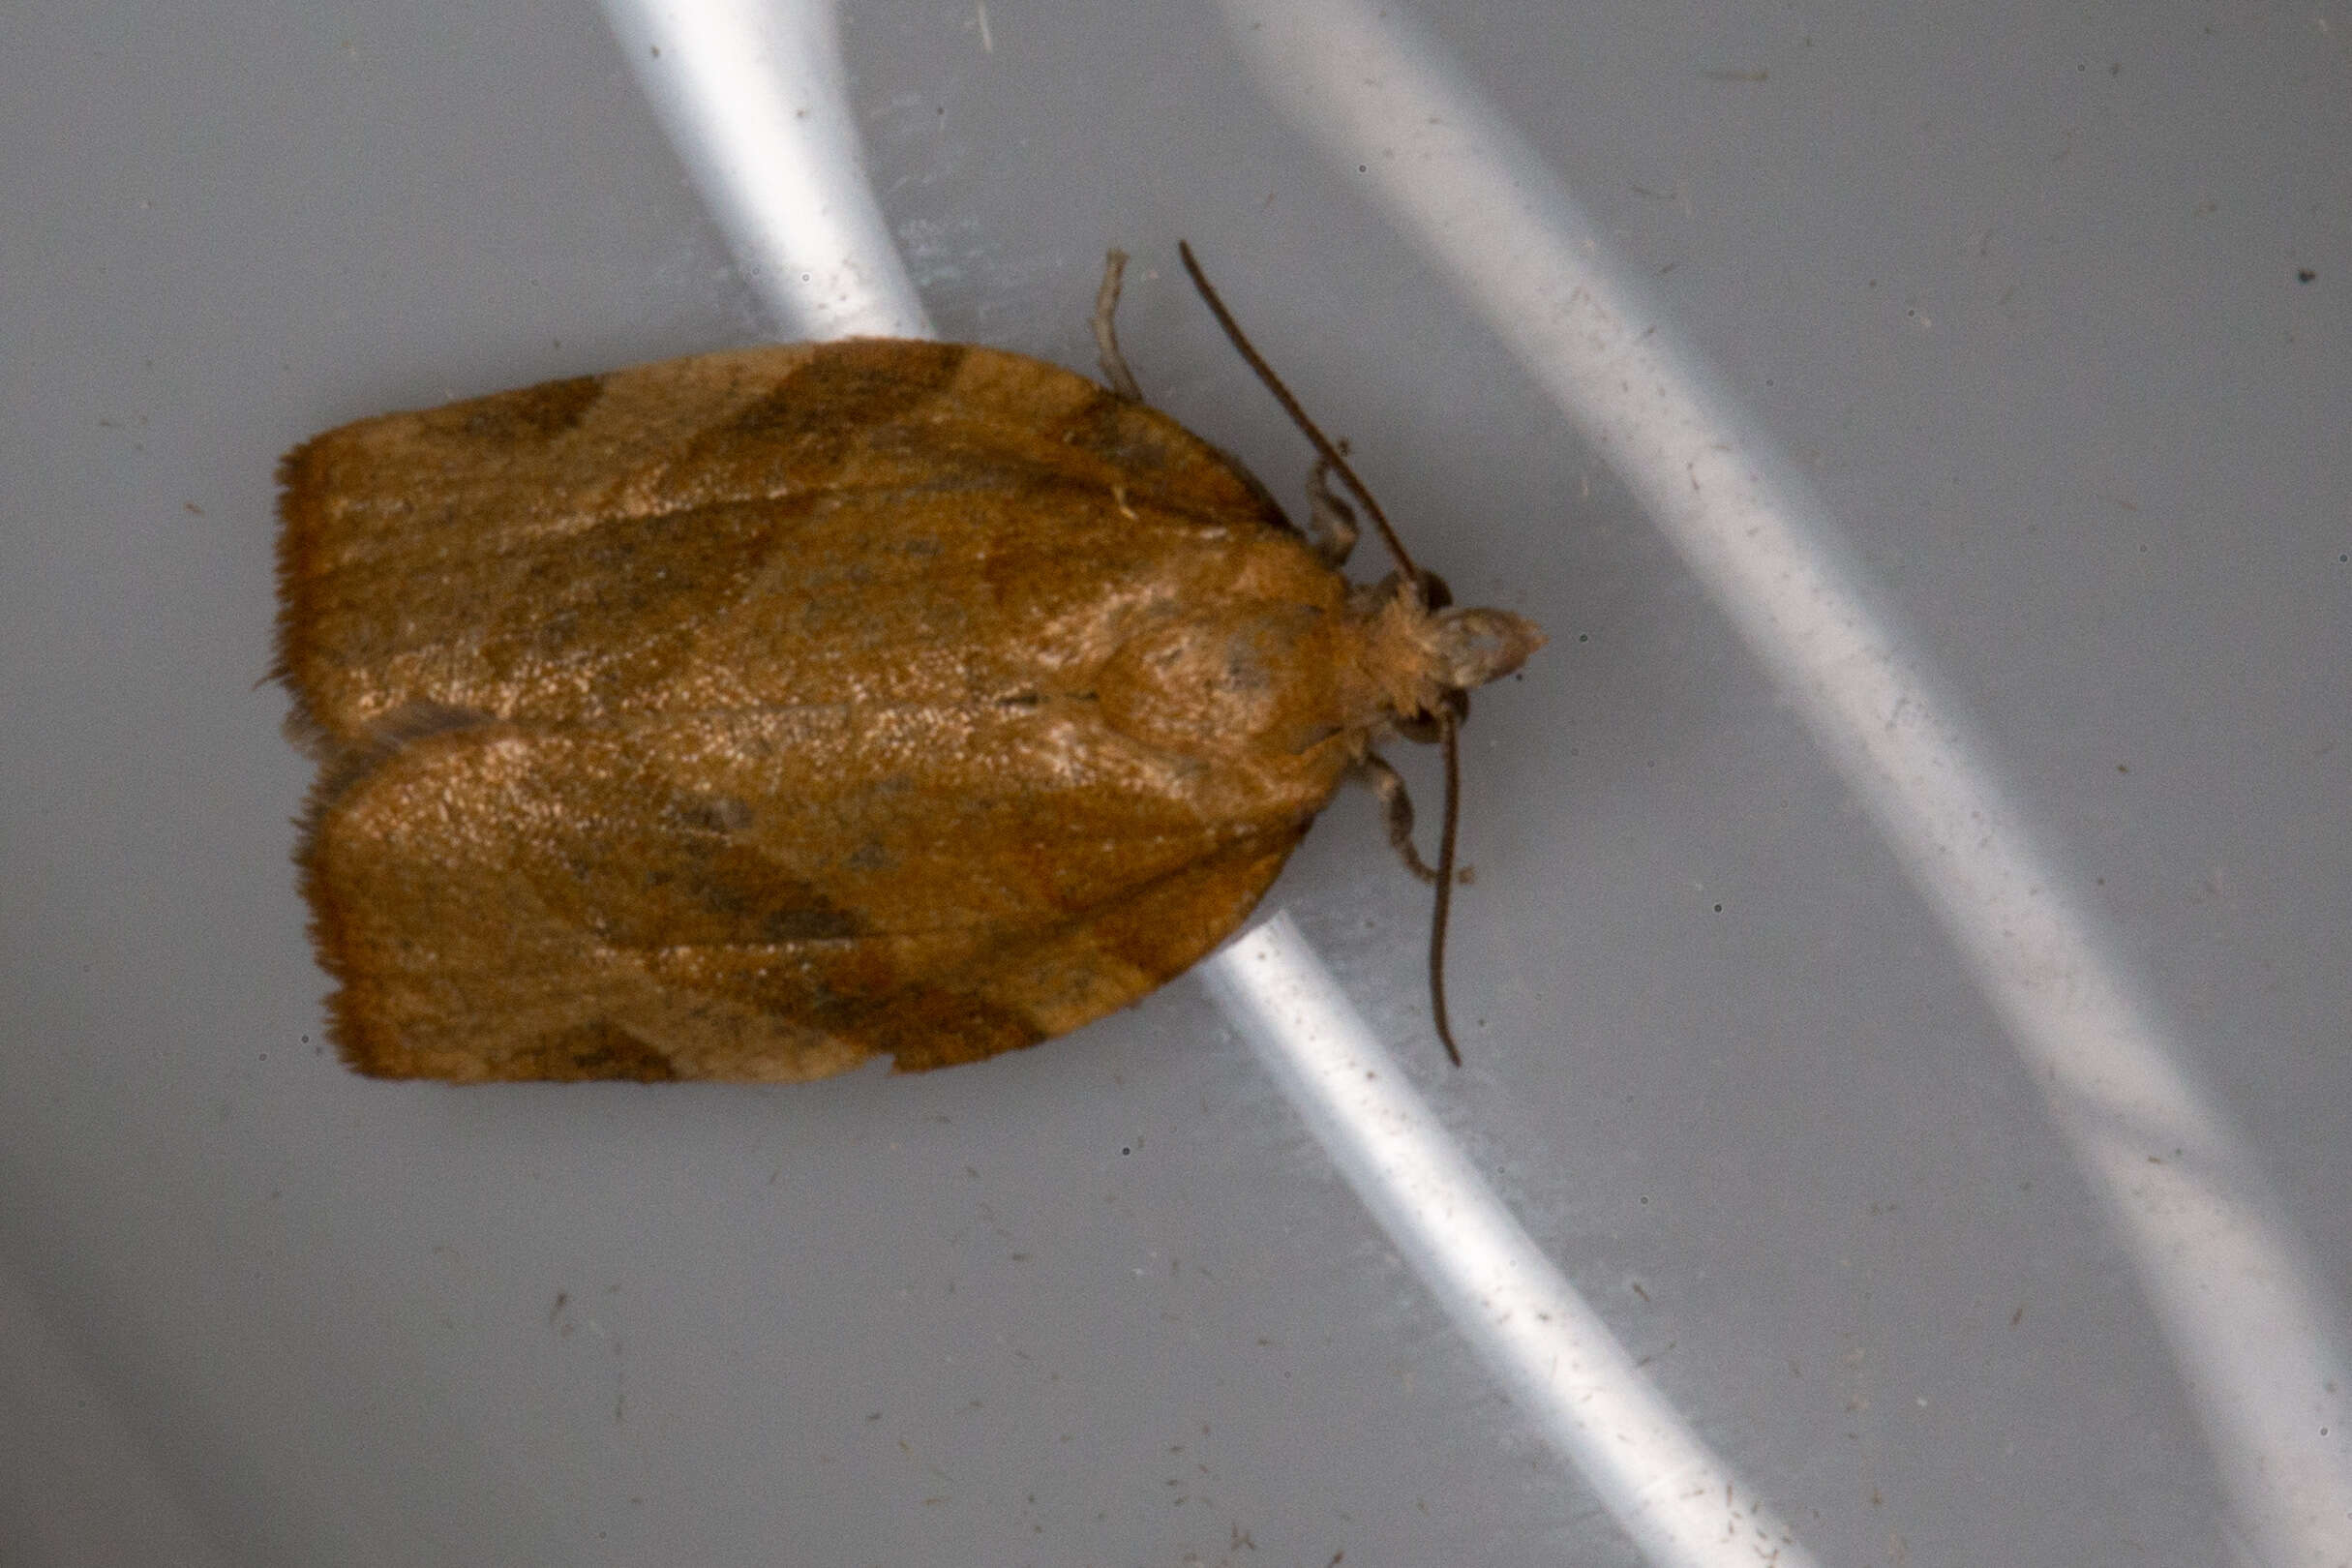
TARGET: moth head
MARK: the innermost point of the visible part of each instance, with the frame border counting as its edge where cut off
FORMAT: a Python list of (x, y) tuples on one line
[(1425, 655), (1469, 647)]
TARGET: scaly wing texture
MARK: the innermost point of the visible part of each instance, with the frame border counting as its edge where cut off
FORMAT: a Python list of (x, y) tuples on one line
[(683, 897), (735, 527), (747, 716)]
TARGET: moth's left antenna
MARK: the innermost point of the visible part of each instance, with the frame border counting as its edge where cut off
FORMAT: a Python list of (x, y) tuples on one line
[(1325, 447)]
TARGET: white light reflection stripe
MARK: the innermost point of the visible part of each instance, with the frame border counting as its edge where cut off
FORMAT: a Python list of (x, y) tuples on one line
[(1549, 1349), (750, 92), (2259, 1341)]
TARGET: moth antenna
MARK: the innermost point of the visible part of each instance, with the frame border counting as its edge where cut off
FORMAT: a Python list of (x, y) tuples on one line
[(1447, 731), (1325, 448)]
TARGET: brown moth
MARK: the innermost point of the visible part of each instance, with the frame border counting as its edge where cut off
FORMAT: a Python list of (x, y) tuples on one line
[(745, 715)]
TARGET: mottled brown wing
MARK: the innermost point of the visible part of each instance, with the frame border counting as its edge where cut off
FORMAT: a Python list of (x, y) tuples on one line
[(715, 896), (627, 543), (747, 715)]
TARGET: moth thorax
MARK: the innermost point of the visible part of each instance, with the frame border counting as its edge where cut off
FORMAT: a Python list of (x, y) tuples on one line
[(1241, 678)]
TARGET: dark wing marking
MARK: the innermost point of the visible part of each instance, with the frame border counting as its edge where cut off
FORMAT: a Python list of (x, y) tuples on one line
[(686, 898), (566, 544)]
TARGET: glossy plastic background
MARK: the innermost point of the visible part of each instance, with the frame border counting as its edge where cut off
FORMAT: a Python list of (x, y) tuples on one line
[(2021, 292)]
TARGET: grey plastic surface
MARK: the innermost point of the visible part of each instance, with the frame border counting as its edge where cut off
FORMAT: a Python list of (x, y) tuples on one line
[(2021, 292)]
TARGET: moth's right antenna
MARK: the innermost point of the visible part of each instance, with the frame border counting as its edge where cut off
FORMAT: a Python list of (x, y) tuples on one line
[(1324, 446), (1449, 731)]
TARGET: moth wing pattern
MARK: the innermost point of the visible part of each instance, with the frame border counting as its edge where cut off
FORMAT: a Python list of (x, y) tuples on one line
[(444, 556), (747, 716), (496, 909)]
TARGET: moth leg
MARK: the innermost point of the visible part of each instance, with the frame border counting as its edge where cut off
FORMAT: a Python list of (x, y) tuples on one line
[(1374, 771), (1331, 521), (1107, 332)]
